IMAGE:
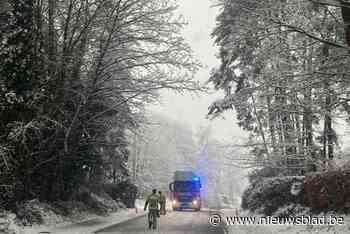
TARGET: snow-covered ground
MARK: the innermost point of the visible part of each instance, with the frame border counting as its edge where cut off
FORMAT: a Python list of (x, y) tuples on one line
[(285, 229), (90, 224)]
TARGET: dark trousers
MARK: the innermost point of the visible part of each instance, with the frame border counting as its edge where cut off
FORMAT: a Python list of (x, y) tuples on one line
[(152, 216)]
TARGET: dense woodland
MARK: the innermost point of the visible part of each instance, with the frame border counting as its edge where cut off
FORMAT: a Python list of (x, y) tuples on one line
[(75, 77), (285, 71)]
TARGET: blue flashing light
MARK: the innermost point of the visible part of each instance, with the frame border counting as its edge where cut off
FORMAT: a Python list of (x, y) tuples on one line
[(195, 178)]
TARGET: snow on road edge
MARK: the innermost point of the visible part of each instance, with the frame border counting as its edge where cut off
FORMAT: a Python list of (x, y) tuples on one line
[(89, 225)]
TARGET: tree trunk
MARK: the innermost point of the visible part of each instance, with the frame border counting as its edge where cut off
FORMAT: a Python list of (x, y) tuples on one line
[(307, 117), (51, 39), (271, 124), (345, 10), (261, 130), (327, 130)]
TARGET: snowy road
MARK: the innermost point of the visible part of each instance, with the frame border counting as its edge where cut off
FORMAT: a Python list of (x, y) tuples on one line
[(173, 223)]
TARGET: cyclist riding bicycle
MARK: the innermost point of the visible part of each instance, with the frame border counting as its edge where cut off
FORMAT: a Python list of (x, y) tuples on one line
[(152, 202)]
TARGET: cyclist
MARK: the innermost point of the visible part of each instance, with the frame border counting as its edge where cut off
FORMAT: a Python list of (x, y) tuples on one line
[(153, 211), (162, 201)]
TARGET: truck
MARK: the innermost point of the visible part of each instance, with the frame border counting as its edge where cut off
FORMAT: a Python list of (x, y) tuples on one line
[(185, 191)]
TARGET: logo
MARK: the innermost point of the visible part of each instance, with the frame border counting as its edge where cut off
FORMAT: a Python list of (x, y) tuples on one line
[(215, 220)]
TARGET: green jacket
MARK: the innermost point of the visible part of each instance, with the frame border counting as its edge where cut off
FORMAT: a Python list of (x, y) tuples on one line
[(152, 202), (162, 198)]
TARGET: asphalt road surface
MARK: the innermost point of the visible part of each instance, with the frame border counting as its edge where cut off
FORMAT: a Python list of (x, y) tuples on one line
[(184, 222)]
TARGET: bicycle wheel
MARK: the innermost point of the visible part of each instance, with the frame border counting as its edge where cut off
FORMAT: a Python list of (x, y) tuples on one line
[(150, 220), (154, 219)]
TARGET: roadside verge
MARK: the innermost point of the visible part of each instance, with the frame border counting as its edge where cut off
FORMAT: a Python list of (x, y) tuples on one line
[(90, 226)]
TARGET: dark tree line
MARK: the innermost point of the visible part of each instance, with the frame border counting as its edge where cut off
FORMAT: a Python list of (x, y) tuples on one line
[(75, 76)]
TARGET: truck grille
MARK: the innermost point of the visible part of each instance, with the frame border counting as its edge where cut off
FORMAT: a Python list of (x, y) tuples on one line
[(185, 199)]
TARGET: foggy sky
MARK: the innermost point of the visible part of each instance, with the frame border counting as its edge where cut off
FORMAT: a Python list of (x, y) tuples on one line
[(187, 108)]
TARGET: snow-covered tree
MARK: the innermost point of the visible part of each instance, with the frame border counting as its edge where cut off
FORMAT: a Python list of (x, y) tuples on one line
[(284, 69), (74, 78), (158, 149)]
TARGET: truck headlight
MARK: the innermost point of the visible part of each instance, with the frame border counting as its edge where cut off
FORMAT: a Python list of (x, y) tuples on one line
[(174, 202), (195, 202)]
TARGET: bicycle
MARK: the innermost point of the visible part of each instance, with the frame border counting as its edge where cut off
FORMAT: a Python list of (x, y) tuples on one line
[(152, 218)]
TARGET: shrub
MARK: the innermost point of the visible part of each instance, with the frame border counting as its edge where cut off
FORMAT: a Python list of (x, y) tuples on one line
[(124, 191), (292, 210), (328, 190), (97, 199), (32, 212), (268, 194)]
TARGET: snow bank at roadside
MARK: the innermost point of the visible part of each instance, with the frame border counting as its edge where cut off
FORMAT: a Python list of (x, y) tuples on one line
[(89, 226), (34, 215), (85, 223)]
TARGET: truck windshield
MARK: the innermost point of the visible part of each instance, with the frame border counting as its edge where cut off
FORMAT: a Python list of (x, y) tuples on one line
[(186, 186)]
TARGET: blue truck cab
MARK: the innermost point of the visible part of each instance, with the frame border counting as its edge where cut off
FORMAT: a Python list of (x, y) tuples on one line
[(186, 191)]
